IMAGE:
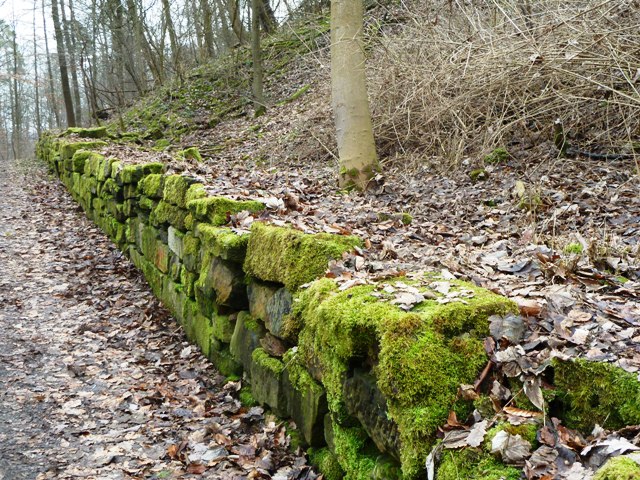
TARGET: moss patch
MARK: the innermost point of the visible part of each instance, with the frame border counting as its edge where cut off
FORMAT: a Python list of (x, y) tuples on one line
[(152, 185), (473, 464), (223, 242), (327, 463), (284, 255), (216, 210), (619, 468), (594, 392)]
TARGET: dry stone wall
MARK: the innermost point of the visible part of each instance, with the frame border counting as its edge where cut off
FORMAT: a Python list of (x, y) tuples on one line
[(366, 382)]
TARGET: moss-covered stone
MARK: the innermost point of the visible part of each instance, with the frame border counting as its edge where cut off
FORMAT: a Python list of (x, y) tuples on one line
[(168, 214), (68, 148), (223, 242), (175, 189), (191, 153), (191, 252), (327, 463), (619, 468), (246, 338), (152, 185), (222, 281), (266, 381), (216, 210), (422, 356), (474, 464), (270, 303), (306, 400), (499, 155), (592, 393), (92, 132), (290, 257), (357, 456)]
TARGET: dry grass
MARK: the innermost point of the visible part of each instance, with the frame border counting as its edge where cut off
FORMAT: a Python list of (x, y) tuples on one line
[(459, 78)]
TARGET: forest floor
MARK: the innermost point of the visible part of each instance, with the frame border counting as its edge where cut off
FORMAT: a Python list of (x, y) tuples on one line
[(96, 379)]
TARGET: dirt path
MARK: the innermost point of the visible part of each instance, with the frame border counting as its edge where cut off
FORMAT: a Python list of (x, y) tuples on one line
[(96, 380)]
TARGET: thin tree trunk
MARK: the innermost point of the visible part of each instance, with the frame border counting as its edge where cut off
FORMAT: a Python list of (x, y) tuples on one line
[(62, 60), (36, 78), (51, 97), (256, 54), (70, 41), (173, 38), (207, 19), (354, 131)]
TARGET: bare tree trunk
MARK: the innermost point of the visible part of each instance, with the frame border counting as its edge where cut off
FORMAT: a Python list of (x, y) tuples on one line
[(207, 26), (62, 60), (267, 16), (354, 131), (51, 97), (36, 78), (256, 54), (233, 7), (70, 41), (173, 38)]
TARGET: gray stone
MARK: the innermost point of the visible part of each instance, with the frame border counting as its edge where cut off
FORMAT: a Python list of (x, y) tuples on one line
[(306, 401), (270, 303), (246, 338), (365, 402), (267, 384), (175, 241), (226, 281)]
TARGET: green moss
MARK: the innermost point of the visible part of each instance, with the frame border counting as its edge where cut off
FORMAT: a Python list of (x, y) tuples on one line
[(478, 174), (195, 192), (216, 210), (152, 185), (406, 219), (264, 360), (288, 256), (499, 155), (94, 132), (618, 468), (175, 189), (473, 464), (327, 463), (161, 144), (594, 392), (223, 242), (165, 213), (354, 452), (422, 356), (68, 149), (246, 397), (298, 374), (191, 153), (527, 431), (575, 247)]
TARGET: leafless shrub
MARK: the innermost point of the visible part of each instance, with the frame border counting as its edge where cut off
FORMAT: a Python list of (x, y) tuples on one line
[(458, 78)]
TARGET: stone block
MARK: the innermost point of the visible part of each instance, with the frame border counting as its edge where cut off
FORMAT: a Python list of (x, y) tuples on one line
[(216, 210), (225, 280), (246, 338), (223, 242), (223, 326), (176, 241), (306, 401), (364, 401), (191, 252), (267, 386), (166, 214), (270, 303), (152, 186), (175, 189), (161, 257)]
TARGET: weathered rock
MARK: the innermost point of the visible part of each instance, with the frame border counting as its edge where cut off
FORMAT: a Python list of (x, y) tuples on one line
[(246, 338), (270, 303), (306, 401), (266, 381), (365, 402), (176, 241), (224, 281)]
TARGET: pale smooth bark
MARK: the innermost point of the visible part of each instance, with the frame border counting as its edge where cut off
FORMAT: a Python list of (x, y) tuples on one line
[(354, 131), (62, 60)]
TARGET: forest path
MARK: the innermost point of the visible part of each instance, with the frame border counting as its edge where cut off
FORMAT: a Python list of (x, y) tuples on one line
[(96, 380)]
